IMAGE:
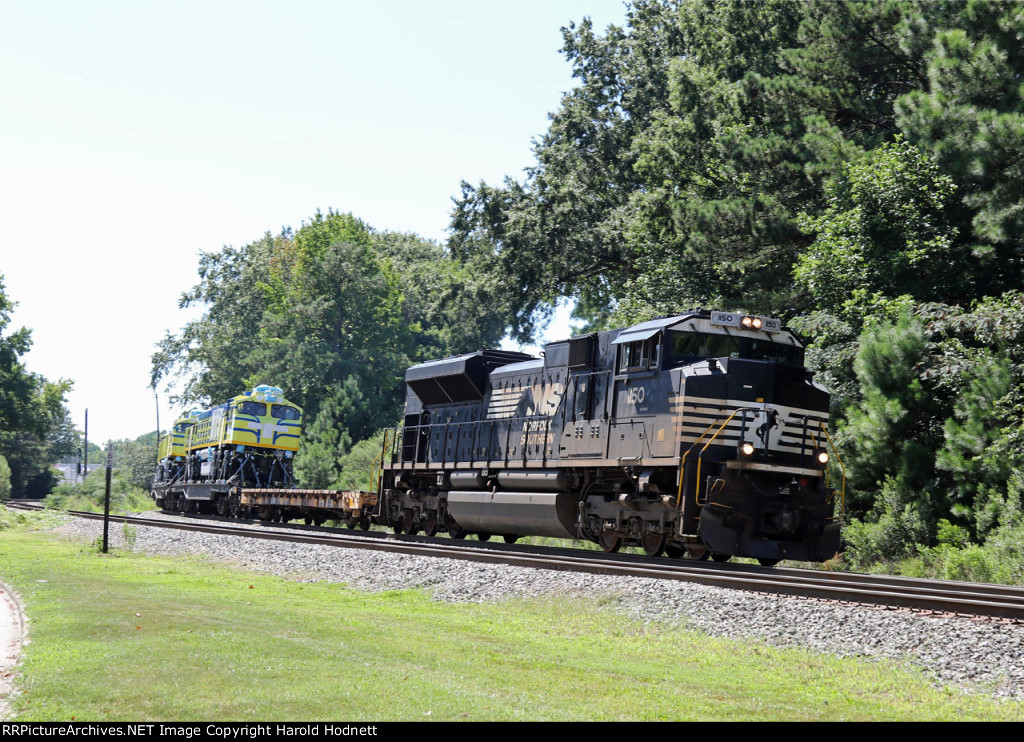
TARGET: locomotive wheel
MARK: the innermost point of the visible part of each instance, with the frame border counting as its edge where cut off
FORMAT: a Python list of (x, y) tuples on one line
[(456, 531), (768, 562), (510, 538), (609, 541), (697, 553), (222, 506), (430, 524), (721, 557), (396, 525), (483, 537), (674, 551), (653, 543), (408, 524)]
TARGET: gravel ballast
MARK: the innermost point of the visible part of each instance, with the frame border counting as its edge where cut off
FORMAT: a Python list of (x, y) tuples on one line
[(980, 656)]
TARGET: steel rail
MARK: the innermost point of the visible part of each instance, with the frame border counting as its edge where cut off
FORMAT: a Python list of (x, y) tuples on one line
[(973, 599)]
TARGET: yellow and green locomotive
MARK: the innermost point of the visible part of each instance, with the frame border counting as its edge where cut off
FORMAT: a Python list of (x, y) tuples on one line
[(248, 441)]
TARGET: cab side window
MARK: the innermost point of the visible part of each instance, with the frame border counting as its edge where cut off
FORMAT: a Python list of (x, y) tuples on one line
[(639, 355)]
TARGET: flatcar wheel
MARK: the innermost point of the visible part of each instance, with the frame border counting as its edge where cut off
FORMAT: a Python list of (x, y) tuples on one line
[(609, 541), (768, 562), (430, 524), (653, 543), (483, 537), (720, 557), (351, 521), (365, 522), (510, 538)]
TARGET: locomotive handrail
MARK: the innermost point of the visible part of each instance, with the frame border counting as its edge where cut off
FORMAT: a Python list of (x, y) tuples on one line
[(842, 468), (682, 462), (718, 432), (377, 467)]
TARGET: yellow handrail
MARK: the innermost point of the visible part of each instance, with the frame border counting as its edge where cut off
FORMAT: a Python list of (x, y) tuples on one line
[(377, 467), (682, 463), (717, 433), (842, 468)]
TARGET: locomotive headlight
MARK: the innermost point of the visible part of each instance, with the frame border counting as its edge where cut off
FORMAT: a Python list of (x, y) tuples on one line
[(751, 323), (747, 449), (823, 457)]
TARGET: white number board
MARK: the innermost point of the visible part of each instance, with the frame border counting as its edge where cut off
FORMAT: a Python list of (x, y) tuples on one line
[(726, 318)]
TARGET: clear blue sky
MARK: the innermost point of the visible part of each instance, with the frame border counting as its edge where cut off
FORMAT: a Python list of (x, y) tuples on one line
[(135, 135)]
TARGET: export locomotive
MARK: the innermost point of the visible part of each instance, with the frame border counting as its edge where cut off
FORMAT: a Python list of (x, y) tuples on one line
[(700, 434), (210, 455)]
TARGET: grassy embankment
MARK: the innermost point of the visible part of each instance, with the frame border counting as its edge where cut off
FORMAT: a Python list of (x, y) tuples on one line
[(133, 637)]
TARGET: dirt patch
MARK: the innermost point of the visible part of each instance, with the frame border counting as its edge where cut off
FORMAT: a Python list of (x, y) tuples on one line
[(12, 639)]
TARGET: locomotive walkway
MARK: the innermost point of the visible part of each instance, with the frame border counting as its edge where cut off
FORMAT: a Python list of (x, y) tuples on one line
[(936, 596)]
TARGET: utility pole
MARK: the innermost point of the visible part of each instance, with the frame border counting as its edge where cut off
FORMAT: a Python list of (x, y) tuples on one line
[(157, 398), (85, 471), (106, 495)]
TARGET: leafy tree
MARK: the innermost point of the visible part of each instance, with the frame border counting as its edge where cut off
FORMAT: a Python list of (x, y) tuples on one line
[(885, 232), (136, 460), (561, 233), (327, 440), (35, 428), (5, 480), (891, 433), (970, 113), (979, 472), (358, 465), (332, 313), (449, 306), (216, 356)]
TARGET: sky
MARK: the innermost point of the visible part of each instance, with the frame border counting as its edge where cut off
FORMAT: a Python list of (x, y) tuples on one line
[(136, 135)]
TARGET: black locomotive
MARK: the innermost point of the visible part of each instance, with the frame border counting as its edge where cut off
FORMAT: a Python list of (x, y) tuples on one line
[(700, 434)]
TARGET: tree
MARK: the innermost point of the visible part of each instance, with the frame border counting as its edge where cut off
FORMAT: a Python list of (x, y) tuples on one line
[(5, 480), (332, 313), (969, 112), (885, 231), (35, 427), (891, 432)]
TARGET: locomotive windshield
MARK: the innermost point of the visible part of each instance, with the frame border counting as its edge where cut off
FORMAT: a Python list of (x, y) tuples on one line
[(284, 412), (257, 409), (687, 347)]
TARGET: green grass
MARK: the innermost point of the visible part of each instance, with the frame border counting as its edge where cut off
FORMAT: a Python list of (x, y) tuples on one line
[(131, 637)]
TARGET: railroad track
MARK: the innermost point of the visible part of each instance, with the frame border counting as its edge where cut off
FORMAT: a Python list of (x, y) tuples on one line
[(936, 596)]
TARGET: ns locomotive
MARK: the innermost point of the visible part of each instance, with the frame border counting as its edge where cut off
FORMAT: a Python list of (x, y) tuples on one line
[(700, 434)]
